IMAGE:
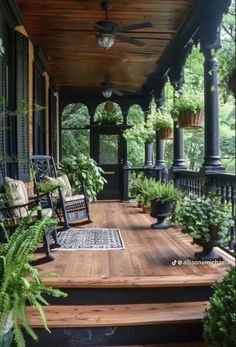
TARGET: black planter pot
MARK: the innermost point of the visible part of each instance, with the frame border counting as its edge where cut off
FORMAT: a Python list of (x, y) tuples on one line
[(160, 210), (208, 253)]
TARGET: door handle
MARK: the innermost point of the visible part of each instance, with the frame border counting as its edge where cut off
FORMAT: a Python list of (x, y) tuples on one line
[(109, 173)]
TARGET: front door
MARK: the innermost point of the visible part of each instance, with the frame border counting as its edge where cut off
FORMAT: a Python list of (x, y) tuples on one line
[(107, 152)]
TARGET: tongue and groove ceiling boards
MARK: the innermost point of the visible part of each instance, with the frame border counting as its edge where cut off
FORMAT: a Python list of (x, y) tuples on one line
[(65, 32)]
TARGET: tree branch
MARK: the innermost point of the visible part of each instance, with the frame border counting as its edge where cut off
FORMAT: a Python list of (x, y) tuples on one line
[(228, 32)]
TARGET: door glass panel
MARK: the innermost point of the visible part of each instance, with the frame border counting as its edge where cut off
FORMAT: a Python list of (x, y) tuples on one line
[(108, 149)]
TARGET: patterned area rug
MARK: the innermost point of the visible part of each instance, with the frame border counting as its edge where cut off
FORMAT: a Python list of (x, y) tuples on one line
[(90, 239)]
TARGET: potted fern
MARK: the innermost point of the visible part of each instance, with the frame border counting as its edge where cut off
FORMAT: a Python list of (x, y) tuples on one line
[(20, 282), (163, 197), (188, 110)]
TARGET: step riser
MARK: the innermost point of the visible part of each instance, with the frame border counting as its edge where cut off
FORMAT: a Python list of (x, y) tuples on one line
[(118, 336), (105, 296)]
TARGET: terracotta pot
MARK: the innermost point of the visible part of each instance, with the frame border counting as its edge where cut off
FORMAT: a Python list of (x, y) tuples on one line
[(191, 120), (109, 106), (166, 134)]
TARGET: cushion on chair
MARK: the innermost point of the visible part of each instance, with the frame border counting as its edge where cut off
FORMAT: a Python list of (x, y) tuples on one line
[(74, 197), (67, 185), (16, 195), (45, 212), (63, 182), (57, 181)]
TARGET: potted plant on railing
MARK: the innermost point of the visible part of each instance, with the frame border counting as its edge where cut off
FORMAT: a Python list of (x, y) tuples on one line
[(20, 282), (188, 110), (207, 220), (220, 319), (163, 197)]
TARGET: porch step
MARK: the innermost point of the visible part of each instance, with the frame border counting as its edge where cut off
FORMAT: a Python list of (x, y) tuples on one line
[(118, 315), (132, 290), (118, 325)]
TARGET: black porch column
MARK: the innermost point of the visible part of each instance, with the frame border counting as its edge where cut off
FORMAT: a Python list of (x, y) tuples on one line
[(160, 144), (148, 160), (176, 75), (178, 144), (211, 130), (209, 43)]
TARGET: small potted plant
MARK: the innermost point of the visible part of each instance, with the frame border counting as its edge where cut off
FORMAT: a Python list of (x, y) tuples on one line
[(219, 322), (20, 282), (144, 195), (135, 186), (188, 110), (207, 220), (163, 197)]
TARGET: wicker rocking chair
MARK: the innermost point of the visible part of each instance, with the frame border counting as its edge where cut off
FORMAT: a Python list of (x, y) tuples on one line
[(68, 207)]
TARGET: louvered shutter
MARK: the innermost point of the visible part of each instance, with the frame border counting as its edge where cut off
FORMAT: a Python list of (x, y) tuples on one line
[(22, 118), (2, 102)]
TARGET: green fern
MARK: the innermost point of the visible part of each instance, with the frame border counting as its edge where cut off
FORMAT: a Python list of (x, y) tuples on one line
[(20, 283)]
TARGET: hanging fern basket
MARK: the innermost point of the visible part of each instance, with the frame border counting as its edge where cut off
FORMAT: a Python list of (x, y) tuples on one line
[(166, 134), (191, 120)]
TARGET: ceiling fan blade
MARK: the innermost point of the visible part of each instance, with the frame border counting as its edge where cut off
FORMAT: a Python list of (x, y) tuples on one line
[(124, 28), (117, 92), (130, 40), (97, 26)]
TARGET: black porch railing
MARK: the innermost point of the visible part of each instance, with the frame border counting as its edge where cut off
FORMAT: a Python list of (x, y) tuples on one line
[(222, 183)]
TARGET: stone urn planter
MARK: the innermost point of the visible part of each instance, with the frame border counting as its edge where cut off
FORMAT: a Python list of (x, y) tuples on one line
[(207, 253), (190, 120), (166, 134), (160, 210)]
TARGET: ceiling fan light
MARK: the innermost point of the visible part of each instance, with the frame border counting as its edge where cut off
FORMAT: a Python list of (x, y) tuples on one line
[(107, 93), (106, 40)]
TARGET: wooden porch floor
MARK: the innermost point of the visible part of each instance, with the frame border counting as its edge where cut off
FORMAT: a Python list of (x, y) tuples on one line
[(146, 260)]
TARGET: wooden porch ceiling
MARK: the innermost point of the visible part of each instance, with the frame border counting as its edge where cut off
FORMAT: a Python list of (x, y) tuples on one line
[(62, 29)]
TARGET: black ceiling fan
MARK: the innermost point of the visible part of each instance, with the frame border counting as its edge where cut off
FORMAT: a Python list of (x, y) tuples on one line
[(109, 31), (108, 88)]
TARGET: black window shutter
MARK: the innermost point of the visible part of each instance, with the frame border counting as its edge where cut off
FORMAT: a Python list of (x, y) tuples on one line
[(2, 102), (22, 117)]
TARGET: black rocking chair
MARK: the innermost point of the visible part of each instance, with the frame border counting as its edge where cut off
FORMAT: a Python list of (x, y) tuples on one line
[(68, 208)]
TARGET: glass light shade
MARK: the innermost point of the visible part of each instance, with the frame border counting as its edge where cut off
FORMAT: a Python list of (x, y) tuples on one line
[(107, 93), (106, 40)]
